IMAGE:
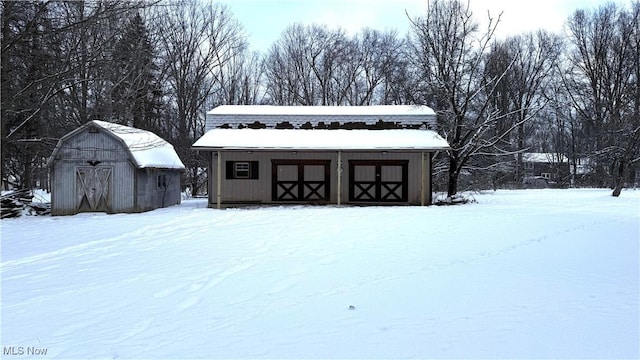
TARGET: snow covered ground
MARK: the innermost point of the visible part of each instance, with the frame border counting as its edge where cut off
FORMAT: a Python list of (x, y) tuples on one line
[(520, 274)]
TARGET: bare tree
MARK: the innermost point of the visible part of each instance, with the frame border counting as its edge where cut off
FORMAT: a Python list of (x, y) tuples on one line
[(450, 51), (381, 63), (239, 82), (197, 42), (528, 64), (603, 83), (313, 65), (301, 66)]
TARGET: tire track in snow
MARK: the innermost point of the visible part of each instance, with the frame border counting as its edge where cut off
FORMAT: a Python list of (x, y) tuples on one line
[(339, 289), (206, 283), (96, 246), (535, 240)]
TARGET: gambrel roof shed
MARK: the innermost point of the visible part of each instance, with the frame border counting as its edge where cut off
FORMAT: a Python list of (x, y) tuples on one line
[(113, 168), (147, 150)]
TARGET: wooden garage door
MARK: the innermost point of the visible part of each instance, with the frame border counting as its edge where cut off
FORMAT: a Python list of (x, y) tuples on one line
[(300, 180), (93, 188), (378, 180)]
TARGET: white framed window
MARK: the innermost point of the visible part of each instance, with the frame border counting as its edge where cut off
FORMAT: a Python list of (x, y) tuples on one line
[(546, 176), (241, 170)]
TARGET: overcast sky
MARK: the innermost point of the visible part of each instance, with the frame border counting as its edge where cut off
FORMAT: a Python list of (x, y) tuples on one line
[(264, 20)]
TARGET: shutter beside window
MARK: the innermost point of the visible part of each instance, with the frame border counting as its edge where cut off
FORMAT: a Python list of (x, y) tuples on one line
[(229, 169), (254, 170)]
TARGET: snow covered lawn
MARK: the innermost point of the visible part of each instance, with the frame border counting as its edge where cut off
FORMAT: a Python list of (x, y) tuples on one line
[(520, 274)]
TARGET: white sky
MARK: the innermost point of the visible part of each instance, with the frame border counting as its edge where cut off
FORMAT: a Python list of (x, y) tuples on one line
[(264, 20)]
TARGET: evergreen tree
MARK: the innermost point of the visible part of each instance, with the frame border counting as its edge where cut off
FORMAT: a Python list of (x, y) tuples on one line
[(135, 93), (28, 68)]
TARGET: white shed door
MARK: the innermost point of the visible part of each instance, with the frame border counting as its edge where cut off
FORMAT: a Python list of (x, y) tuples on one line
[(93, 188)]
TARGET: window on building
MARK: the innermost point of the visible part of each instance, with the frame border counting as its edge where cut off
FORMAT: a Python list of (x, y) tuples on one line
[(242, 169), (546, 176), (162, 181)]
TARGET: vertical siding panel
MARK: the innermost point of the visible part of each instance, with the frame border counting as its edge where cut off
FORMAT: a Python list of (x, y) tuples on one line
[(259, 190), (123, 187), (149, 196), (63, 190), (429, 169), (110, 152), (212, 177), (413, 175)]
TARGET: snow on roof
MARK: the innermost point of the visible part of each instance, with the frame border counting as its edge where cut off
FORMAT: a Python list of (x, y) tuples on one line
[(239, 116), (321, 110), (147, 149), (298, 139), (544, 157)]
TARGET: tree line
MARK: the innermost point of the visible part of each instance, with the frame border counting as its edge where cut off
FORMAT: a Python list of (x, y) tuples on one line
[(160, 65)]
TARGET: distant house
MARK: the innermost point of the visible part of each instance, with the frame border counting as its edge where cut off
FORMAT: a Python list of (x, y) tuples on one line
[(106, 167), (547, 167), (320, 154)]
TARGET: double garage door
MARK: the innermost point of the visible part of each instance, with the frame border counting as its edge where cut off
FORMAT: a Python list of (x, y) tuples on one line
[(376, 181), (301, 180)]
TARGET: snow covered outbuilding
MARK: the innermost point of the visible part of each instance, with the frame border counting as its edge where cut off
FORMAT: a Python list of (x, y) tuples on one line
[(106, 167), (366, 155)]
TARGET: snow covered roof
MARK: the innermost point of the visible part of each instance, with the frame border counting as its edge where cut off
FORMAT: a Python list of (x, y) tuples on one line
[(320, 139), (544, 157), (379, 110), (235, 116), (147, 149)]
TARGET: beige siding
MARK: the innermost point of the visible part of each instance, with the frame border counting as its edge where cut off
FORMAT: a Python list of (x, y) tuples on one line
[(260, 190), (414, 170)]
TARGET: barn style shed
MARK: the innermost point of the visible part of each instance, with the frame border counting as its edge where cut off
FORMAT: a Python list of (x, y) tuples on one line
[(355, 160), (106, 167)]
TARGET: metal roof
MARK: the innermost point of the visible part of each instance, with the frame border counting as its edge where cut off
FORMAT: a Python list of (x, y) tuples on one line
[(380, 110), (269, 116), (316, 139)]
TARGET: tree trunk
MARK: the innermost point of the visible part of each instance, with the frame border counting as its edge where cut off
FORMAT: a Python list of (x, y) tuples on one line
[(620, 174), (452, 186), (519, 162), (194, 182)]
